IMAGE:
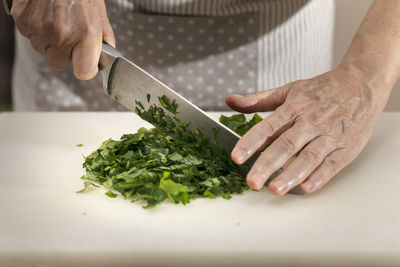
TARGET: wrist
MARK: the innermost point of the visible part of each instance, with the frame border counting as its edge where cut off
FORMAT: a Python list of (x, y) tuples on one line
[(375, 66), (358, 76), (358, 73)]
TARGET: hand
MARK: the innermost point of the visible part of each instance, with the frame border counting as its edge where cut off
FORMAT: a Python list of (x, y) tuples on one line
[(65, 30), (327, 120)]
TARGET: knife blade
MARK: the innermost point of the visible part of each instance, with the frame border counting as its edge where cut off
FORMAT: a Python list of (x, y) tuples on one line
[(127, 83)]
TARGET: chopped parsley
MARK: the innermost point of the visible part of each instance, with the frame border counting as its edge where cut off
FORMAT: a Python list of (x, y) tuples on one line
[(238, 122), (152, 166)]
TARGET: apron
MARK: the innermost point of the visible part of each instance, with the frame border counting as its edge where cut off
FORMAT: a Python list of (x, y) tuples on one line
[(203, 49)]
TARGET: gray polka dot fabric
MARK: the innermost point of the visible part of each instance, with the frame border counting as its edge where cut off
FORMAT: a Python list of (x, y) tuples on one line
[(202, 57)]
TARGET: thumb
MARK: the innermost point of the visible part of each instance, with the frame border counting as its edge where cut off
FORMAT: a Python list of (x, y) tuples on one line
[(85, 57), (266, 100)]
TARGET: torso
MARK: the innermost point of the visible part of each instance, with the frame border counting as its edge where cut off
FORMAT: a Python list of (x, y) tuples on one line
[(202, 49)]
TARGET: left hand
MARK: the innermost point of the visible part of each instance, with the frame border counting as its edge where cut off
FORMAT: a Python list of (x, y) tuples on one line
[(327, 120)]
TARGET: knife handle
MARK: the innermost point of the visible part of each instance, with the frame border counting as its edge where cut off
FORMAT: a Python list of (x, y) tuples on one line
[(108, 55), (107, 58), (7, 6)]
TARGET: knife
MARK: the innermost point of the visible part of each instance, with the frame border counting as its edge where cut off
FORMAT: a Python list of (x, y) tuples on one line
[(128, 83)]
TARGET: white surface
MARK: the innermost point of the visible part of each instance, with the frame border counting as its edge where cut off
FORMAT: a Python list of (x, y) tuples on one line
[(354, 219)]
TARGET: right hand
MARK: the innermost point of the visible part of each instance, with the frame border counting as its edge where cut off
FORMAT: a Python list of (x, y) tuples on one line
[(66, 30)]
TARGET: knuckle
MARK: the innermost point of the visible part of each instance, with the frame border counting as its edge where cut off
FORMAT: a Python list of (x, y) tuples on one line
[(311, 126), (293, 108), (332, 163), (315, 118), (266, 127), (286, 145), (90, 29), (62, 32), (309, 155), (37, 25), (46, 28)]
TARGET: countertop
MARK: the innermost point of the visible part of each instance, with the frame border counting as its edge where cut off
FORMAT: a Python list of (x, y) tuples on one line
[(354, 220)]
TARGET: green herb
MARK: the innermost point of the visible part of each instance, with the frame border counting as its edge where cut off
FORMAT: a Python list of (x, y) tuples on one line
[(152, 166), (111, 194), (87, 186), (79, 145), (167, 104), (238, 122)]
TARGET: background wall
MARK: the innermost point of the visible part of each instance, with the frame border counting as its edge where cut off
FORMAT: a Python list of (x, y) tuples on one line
[(349, 14)]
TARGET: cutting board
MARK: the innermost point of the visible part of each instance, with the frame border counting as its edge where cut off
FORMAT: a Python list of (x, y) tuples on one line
[(354, 220)]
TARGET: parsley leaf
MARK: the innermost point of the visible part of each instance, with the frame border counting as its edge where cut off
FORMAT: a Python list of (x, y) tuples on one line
[(238, 122), (152, 166), (111, 194)]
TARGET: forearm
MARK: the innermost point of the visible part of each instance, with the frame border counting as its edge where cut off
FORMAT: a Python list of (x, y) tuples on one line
[(374, 54)]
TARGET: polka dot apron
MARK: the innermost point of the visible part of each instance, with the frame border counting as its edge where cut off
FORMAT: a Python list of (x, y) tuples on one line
[(202, 57)]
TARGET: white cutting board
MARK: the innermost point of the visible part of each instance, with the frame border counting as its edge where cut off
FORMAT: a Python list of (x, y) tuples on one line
[(355, 219)]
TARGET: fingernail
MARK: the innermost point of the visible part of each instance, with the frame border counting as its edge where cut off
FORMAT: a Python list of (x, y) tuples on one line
[(309, 186), (280, 186), (241, 155), (258, 179)]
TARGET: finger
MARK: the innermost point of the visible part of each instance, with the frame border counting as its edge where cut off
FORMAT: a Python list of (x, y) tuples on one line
[(20, 11), (278, 153), (261, 134), (303, 165), (35, 27), (260, 101), (39, 43), (108, 33), (58, 57), (331, 165), (45, 30)]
